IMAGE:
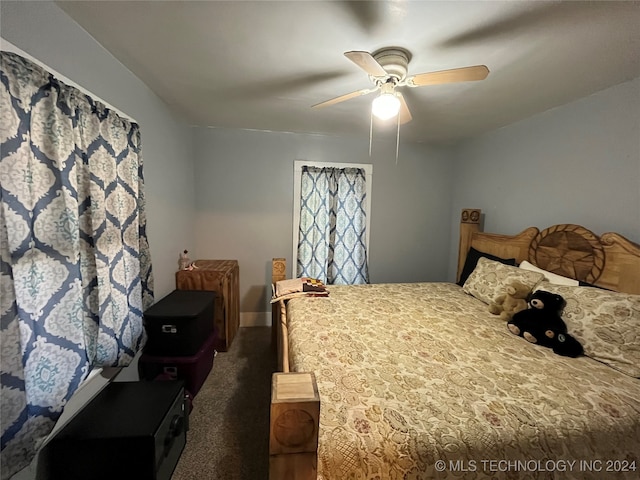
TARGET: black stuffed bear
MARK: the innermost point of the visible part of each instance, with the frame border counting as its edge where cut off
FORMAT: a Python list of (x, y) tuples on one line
[(541, 324)]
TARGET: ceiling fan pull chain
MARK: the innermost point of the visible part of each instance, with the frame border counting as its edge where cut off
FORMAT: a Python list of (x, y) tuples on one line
[(370, 132), (397, 138)]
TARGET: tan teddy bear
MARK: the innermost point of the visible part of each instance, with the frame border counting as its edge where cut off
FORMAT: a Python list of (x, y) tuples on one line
[(514, 300)]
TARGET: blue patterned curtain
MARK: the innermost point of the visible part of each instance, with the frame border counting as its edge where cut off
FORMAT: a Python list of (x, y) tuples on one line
[(75, 264), (331, 241)]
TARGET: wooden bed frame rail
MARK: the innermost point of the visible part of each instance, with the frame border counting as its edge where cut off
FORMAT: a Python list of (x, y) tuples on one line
[(469, 224), (295, 404), (278, 272)]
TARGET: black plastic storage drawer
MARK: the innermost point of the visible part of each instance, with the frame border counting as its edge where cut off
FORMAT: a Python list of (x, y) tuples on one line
[(180, 323)]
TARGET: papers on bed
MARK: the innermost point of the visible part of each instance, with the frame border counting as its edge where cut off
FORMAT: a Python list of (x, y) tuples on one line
[(298, 287)]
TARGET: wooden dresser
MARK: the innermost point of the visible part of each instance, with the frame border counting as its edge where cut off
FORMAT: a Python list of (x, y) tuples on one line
[(222, 277)]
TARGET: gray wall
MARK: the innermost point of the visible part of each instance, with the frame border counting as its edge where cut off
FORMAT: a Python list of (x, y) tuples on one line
[(45, 32), (244, 204), (579, 163)]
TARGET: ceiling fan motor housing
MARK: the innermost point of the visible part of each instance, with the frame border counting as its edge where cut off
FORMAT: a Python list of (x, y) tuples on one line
[(394, 60)]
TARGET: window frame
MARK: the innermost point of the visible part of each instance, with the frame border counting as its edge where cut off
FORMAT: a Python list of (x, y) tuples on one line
[(297, 178)]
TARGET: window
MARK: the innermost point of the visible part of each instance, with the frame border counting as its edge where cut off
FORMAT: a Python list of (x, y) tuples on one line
[(332, 202)]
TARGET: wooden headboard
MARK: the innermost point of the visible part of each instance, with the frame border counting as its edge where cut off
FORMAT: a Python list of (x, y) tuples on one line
[(609, 260)]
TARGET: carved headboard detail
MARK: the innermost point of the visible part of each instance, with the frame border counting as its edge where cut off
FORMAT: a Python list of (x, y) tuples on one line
[(568, 250)]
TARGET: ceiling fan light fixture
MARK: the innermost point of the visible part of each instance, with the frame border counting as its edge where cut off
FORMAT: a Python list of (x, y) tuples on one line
[(385, 106)]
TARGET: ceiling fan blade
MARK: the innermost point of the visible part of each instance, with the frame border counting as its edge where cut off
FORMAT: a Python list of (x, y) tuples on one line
[(405, 114), (277, 86), (534, 15), (344, 98), (465, 74), (366, 62), (367, 15)]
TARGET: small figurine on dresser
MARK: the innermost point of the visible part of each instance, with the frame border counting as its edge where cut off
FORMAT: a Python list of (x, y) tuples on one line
[(184, 263)]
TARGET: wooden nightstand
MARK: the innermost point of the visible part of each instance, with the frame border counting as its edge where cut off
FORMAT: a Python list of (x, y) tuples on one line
[(222, 277)]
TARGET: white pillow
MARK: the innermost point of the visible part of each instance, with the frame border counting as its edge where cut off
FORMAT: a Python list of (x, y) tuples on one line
[(550, 277)]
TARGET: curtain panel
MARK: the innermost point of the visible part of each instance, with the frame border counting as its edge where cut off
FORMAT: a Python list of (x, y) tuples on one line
[(75, 265), (331, 241)]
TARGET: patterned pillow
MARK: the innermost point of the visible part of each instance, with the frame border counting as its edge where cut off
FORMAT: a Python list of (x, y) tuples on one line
[(490, 279), (472, 260), (606, 323)]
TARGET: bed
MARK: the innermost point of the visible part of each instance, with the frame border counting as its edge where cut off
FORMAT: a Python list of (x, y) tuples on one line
[(418, 381)]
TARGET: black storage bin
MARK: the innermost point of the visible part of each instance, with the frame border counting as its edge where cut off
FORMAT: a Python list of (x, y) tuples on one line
[(194, 369), (180, 323), (129, 430)]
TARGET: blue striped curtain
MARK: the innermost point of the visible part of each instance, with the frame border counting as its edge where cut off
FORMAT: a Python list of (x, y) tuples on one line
[(75, 265), (331, 241)]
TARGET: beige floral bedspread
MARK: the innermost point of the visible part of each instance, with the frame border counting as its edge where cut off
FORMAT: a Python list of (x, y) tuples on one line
[(419, 381)]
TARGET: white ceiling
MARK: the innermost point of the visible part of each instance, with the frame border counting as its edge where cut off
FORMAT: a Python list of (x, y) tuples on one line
[(262, 64)]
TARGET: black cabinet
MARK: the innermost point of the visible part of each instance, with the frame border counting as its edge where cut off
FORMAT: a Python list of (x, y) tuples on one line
[(129, 430)]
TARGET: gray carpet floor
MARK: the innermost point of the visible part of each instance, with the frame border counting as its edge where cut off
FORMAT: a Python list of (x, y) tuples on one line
[(228, 437)]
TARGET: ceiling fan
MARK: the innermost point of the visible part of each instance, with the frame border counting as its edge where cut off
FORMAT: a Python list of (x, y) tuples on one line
[(387, 69)]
